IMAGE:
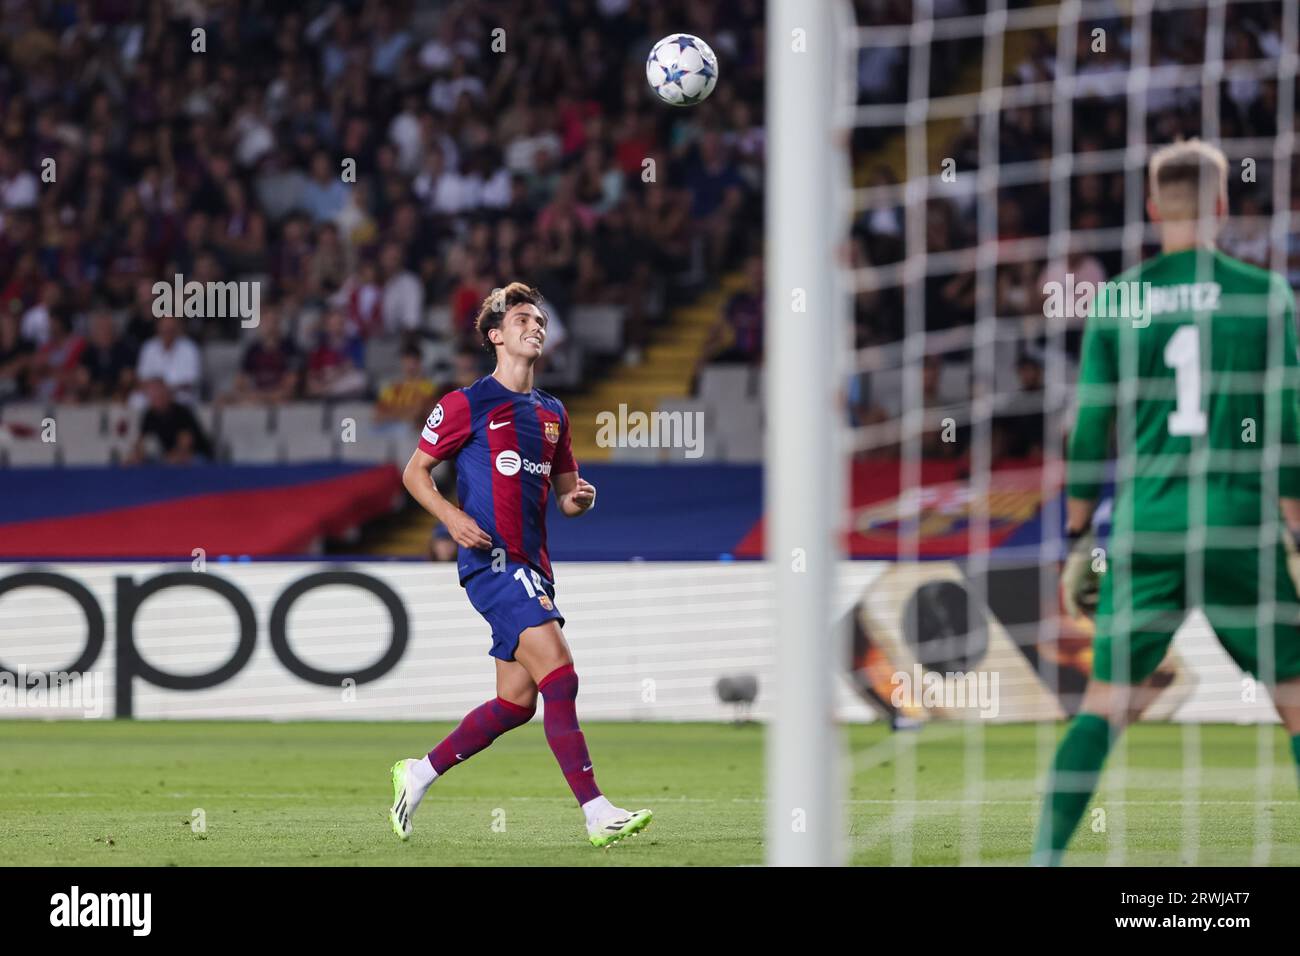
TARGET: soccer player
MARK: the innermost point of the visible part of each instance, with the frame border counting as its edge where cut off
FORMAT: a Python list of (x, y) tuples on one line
[(1199, 383), (511, 444)]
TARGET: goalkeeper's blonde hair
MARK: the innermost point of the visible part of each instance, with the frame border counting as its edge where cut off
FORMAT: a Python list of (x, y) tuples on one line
[(1187, 177)]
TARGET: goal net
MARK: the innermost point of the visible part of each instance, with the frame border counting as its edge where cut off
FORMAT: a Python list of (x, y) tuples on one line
[(996, 156)]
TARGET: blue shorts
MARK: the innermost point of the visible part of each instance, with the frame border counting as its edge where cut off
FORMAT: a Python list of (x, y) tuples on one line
[(511, 601)]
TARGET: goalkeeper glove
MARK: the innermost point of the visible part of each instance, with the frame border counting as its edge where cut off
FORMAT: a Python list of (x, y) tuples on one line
[(1081, 576)]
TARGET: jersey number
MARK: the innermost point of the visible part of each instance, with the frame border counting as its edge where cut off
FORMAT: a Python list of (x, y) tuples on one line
[(1183, 355), (533, 586)]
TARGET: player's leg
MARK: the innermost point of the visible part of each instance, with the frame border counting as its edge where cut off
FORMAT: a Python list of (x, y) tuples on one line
[(543, 651), (1286, 697), (1234, 612), (1240, 642), (1123, 659), (489, 720), (514, 706), (516, 685), (1105, 711)]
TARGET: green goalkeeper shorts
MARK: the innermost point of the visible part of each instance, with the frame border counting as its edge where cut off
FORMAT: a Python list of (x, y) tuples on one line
[(1145, 597)]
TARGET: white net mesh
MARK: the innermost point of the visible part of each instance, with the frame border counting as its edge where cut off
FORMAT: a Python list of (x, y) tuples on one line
[(1000, 151)]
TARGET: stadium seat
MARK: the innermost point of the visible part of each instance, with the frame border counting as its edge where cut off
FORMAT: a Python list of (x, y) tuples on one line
[(362, 413), (722, 386), (306, 446), (438, 319), (733, 411), (294, 418), (123, 428), (21, 428), (303, 329), (360, 410), (400, 446), (31, 453), (81, 436), (598, 327), (956, 379), (369, 448), (383, 359), (207, 414), (563, 369), (1005, 380), (245, 436), (742, 435), (434, 354), (741, 447), (637, 456), (221, 361), (885, 388), (692, 406)]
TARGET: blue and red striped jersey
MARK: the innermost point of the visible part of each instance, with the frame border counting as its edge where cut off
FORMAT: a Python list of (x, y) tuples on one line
[(507, 445)]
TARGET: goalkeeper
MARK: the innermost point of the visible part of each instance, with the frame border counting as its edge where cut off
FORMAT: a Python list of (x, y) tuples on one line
[(1199, 386)]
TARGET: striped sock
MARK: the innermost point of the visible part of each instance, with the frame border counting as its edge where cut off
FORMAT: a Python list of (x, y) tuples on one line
[(560, 691), (482, 725)]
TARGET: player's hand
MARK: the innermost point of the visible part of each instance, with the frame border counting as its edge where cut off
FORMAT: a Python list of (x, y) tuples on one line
[(465, 531), (583, 496), (1081, 578)]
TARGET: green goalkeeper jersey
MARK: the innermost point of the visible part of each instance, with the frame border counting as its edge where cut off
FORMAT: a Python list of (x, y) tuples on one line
[(1189, 361)]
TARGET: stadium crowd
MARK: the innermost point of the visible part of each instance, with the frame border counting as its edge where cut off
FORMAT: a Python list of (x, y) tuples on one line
[(490, 140), (1247, 111)]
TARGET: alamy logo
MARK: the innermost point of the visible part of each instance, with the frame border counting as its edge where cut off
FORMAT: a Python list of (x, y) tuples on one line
[(1080, 299), (103, 909), (53, 690), (208, 300), (951, 690), (651, 430)]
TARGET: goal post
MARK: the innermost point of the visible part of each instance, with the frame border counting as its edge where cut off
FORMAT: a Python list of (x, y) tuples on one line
[(802, 487)]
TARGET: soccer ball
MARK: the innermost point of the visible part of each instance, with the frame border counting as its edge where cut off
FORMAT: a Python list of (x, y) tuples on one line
[(682, 70)]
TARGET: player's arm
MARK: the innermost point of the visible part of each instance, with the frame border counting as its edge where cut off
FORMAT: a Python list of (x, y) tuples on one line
[(1291, 515), (573, 494), (1086, 457), (1089, 446), (445, 432), (1289, 472), (463, 529), (1078, 514)]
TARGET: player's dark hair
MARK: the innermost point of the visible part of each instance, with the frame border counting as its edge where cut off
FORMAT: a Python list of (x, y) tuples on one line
[(494, 308)]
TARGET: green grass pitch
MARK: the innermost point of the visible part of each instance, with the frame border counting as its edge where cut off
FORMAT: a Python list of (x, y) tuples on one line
[(124, 793)]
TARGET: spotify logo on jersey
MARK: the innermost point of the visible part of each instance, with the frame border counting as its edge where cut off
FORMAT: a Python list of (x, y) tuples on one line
[(508, 463)]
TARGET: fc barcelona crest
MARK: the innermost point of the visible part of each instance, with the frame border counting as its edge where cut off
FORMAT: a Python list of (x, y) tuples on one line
[(545, 602), (552, 431)]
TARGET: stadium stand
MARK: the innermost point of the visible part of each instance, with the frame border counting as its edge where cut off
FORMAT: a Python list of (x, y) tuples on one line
[(225, 168), (1098, 115)]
